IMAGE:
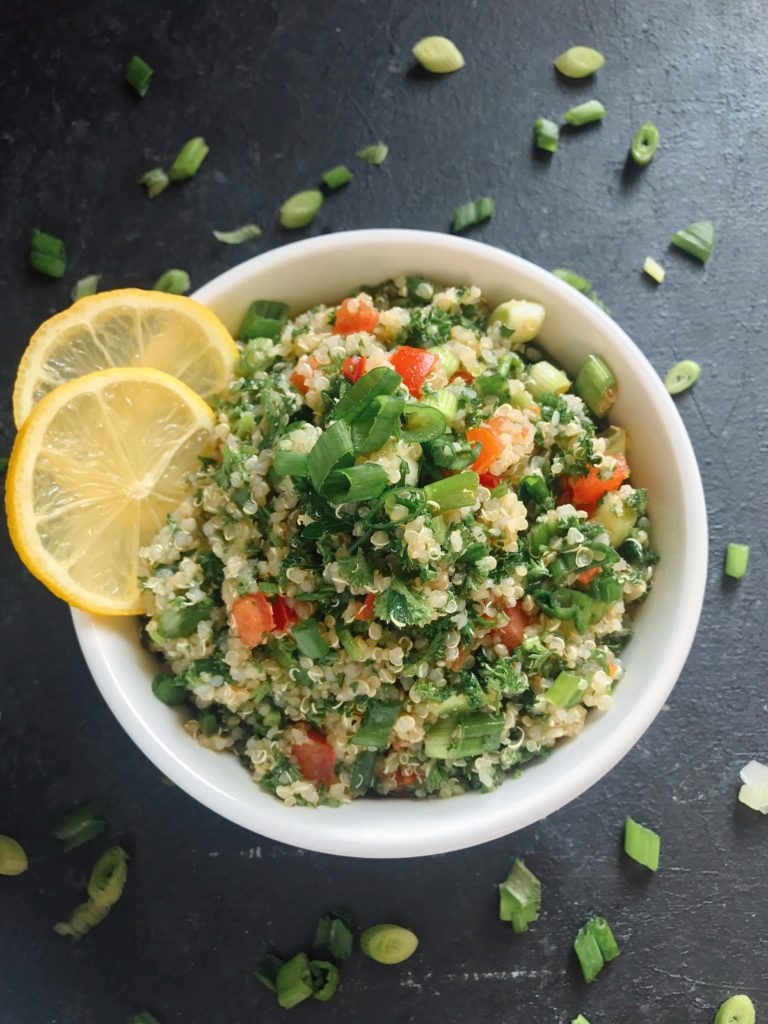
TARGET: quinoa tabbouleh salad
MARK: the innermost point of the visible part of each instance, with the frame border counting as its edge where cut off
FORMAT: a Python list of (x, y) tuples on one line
[(408, 567)]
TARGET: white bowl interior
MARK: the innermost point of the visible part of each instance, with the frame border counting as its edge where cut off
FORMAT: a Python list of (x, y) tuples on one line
[(323, 270)]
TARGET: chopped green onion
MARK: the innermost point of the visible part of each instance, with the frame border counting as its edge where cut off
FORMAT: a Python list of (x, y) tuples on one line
[(356, 483), (245, 233), (449, 362), (609, 948), (579, 61), (173, 623), (293, 981), (642, 844), (174, 281), (84, 917), (438, 55), (736, 559), (523, 318), (378, 424), (308, 639), (546, 379), (81, 824), (653, 269), (520, 898), (257, 354), (268, 974), (457, 491), (375, 154), (546, 134), (567, 690), (108, 877), (171, 690), (585, 113), (388, 943), (446, 401), (595, 946), (377, 725), (596, 385), (333, 450), (533, 488), (337, 176), (682, 376), (334, 936), (353, 645), (325, 979), (190, 157), (737, 1009), (466, 735), (288, 463), (264, 318), (469, 214), (138, 74), (697, 239), (615, 440), (382, 380), (47, 254), (581, 1019), (299, 209), (85, 286), (644, 144), (423, 423), (581, 284), (13, 859), (142, 1017), (155, 181)]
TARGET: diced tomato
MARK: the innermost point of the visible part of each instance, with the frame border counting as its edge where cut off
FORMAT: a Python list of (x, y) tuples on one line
[(353, 368), (283, 614), (588, 575), (355, 315), (253, 618), (404, 778), (462, 375), (365, 614), (414, 365), (315, 758), (299, 381), (489, 480), (460, 660), (490, 446), (511, 633), (589, 489)]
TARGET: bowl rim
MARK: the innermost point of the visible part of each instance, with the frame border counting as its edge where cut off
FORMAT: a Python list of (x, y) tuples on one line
[(327, 835)]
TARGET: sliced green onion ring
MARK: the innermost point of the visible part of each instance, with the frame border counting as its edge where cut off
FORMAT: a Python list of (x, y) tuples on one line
[(377, 725), (697, 239), (377, 424), (245, 233), (108, 877), (309, 640), (682, 376), (642, 844), (438, 55), (333, 450), (547, 134), (301, 208), (47, 254), (388, 943), (382, 380), (174, 281), (81, 824), (469, 214), (357, 483), (375, 154), (264, 318), (189, 159), (595, 384), (422, 423), (85, 286), (325, 979), (644, 144), (457, 491), (337, 176), (154, 181), (585, 113), (137, 75), (738, 1009), (736, 560), (293, 982), (579, 62)]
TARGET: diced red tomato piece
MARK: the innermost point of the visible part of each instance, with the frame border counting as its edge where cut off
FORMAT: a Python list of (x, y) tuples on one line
[(414, 365), (405, 778), (462, 375), (283, 615), (365, 614), (355, 315), (588, 575), (589, 489), (460, 660), (490, 446), (315, 758), (489, 480), (299, 381), (253, 618), (353, 368), (511, 634)]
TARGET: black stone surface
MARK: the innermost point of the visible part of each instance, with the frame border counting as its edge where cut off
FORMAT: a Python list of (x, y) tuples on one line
[(282, 91)]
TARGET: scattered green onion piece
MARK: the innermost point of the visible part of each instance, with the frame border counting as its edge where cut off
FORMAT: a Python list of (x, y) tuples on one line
[(85, 286), (388, 943), (375, 154), (642, 844), (467, 735), (245, 233), (299, 209), (438, 55), (363, 771), (682, 376), (81, 824), (268, 974), (588, 953), (333, 450), (596, 385), (138, 74), (546, 379), (446, 402), (581, 284), (174, 281), (449, 362), (13, 858), (325, 979), (697, 239), (644, 144), (378, 424), (581, 1019), (520, 898), (585, 113), (736, 559), (308, 639), (547, 134), (567, 690), (520, 316), (142, 1017), (469, 214), (495, 384), (609, 948), (171, 690), (533, 488), (356, 483), (579, 62), (653, 269), (289, 463), (457, 491), (190, 157), (155, 181), (84, 917), (353, 645), (334, 936), (173, 623), (264, 319), (615, 440), (257, 354), (377, 725), (337, 176), (108, 877), (737, 1009), (47, 254), (293, 982), (382, 380), (422, 423)]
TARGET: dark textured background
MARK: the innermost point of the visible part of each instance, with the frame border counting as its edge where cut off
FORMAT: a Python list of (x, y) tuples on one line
[(281, 91)]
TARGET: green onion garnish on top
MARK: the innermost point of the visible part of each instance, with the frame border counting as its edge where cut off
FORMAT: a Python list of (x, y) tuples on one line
[(355, 483), (138, 74), (331, 451), (155, 181), (245, 233), (301, 208), (376, 728), (190, 157), (736, 560), (47, 254), (546, 134), (337, 176), (520, 898), (309, 640), (457, 491), (375, 154), (382, 380), (463, 735), (174, 281), (264, 318), (644, 144), (585, 113), (85, 286), (642, 844), (469, 214), (697, 239), (567, 690), (595, 946)]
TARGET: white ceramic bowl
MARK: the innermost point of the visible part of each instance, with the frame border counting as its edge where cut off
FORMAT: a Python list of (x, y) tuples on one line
[(323, 270)]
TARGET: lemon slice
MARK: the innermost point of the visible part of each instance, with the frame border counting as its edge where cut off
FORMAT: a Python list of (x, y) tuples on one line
[(94, 472), (128, 327)]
